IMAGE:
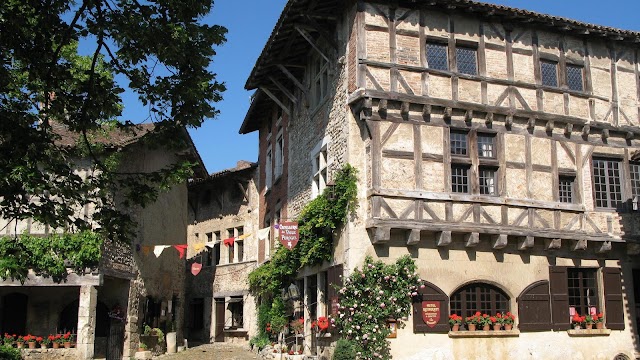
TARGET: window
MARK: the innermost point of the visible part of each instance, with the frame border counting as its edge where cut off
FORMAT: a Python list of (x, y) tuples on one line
[(549, 72), (635, 179), (607, 183), (230, 248), (216, 253), (320, 173), (460, 178), (268, 170), (235, 313), (239, 244), (487, 180), (466, 58), (485, 298), (486, 146), (583, 289), (197, 314), (458, 141), (574, 77), (279, 155), (437, 56), (565, 190), (319, 76)]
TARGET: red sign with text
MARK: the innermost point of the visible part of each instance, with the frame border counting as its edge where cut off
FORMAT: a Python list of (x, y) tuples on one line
[(431, 313), (289, 234)]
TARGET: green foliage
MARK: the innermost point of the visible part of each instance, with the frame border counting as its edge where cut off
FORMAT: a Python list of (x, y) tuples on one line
[(316, 224), (62, 105), (372, 295), (344, 350), (259, 341), (49, 256), (9, 353)]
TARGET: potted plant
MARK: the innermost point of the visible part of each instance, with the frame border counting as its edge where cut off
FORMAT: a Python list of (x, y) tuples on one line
[(8, 339), (20, 342), (44, 343), (577, 320), (30, 340), (496, 322), (142, 347), (599, 319), (68, 338), (473, 321), (57, 341), (485, 322), (152, 337), (589, 321), (508, 320), (455, 321)]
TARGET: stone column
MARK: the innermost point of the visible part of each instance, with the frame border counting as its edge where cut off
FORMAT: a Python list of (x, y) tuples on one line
[(87, 321)]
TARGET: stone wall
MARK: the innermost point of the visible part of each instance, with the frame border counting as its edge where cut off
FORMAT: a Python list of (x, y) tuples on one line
[(51, 354)]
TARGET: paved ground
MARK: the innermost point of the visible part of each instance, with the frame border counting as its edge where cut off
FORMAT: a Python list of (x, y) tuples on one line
[(218, 351)]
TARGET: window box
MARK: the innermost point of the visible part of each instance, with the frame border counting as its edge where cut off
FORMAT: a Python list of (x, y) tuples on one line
[(484, 334), (588, 332)]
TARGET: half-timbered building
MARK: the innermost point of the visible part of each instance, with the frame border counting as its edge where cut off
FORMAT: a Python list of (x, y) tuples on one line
[(496, 146)]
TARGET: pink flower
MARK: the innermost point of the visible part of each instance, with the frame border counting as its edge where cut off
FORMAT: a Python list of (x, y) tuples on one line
[(382, 305)]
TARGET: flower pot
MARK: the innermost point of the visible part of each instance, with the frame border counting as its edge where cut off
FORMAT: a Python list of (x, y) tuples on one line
[(455, 327), (599, 325), (508, 326), (497, 327), (486, 328), (67, 344), (43, 346), (141, 349), (32, 344), (472, 327), (19, 345), (577, 327), (589, 326), (56, 345)]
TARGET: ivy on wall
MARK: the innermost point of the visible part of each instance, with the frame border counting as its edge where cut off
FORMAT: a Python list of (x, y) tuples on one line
[(316, 225), (48, 256), (371, 296)]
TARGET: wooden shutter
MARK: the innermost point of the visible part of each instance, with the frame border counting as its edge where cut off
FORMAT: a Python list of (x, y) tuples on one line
[(534, 307), (430, 293), (559, 290), (613, 306)]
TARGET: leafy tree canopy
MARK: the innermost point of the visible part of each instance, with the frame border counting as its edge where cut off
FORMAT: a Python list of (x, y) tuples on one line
[(50, 93)]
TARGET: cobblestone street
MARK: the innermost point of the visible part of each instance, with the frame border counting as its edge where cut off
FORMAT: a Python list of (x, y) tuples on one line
[(213, 351)]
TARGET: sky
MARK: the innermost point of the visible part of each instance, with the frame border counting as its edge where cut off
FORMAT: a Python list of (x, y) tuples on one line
[(250, 23)]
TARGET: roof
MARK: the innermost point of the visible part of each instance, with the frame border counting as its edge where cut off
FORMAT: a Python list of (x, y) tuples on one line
[(120, 138), (286, 46), (241, 167)]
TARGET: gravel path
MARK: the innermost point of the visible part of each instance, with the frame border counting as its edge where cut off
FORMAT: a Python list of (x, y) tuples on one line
[(217, 351)]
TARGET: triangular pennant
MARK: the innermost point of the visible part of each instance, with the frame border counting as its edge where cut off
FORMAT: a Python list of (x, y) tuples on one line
[(146, 250), (229, 241), (198, 247), (263, 234), (181, 249), (158, 249)]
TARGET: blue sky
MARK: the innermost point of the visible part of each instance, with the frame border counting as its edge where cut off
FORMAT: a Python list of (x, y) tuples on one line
[(250, 23)]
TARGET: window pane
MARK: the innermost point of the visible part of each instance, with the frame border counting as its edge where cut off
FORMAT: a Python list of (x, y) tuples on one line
[(487, 180), (486, 146), (466, 59), (566, 189), (481, 297), (458, 143), (437, 56), (459, 179), (583, 289), (549, 72), (635, 179), (607, 183), (574, 77)]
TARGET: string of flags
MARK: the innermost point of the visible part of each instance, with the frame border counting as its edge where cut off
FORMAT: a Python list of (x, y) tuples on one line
[(288, 238)]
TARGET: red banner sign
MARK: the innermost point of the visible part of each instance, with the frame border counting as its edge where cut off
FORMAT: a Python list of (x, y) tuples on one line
[(431, 313), (195, 268), (289, 234)]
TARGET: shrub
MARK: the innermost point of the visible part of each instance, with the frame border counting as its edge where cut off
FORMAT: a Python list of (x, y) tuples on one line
[(9, 353), (344, 350), (259, 341)]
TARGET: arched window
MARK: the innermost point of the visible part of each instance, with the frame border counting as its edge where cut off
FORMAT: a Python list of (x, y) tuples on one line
[(482, 297)]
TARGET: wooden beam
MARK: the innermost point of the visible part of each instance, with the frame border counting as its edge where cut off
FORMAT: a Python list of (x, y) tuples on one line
[(311, 42), (276, 100), (552, 244), (443, 238), (468, 116), (471, 239), (381, 234), (579, 245), (313, 25), (568, 129), (526, 243), (488, 120), (404, 108), (605, 134), (284, 90), (604, 248), (499, 241), (448, 112), (293, 79), (413, 237)]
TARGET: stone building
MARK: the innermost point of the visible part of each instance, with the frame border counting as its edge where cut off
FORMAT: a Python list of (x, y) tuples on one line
[(108, 307), (222, 238), (496, 146)]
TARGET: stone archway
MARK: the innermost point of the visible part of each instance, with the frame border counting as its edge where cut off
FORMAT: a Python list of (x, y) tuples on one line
[(68, 320)]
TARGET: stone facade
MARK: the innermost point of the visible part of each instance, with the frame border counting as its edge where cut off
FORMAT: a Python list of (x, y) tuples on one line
[(474, 162), (223, 206)]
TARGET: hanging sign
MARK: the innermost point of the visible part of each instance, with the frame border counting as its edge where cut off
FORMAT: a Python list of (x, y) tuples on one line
[(289, 234), (195, 268), (431, 313)]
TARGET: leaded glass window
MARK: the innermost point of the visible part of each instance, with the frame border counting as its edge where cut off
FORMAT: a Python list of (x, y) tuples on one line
[(635, 179), (607, 183), (486, 146), (549, 72), (437, 56), (565, 191), (459, 143), (460, 178), (487, 180), (574, 77), (466, 58)]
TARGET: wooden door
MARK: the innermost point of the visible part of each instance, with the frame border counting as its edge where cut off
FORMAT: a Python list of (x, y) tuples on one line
[(115, 341), (219, 329)]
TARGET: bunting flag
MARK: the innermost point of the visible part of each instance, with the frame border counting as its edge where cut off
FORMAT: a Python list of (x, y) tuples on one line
[(146, 250), (229, 241), (181, 249), (158, 249), (210, 244), (263, 234), (198, 247), (195, 268), (242, 237)]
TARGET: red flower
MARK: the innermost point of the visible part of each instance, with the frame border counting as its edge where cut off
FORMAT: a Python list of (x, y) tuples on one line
[(493, 319), (301, 321), (323, 323), (39, 339)]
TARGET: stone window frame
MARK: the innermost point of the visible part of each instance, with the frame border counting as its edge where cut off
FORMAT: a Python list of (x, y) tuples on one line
[(235, 308), (473, 163), (320, 168)]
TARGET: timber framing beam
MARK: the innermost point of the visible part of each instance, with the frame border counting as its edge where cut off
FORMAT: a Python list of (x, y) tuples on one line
[(293, 79), (311, 42), (276, 100)]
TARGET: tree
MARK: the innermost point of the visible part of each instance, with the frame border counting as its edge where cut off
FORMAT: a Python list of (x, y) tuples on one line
[(50, 93)]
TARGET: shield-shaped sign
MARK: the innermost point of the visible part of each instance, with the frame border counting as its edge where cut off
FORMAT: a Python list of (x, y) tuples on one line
[(431, 313), (289, 234), (195, 268)]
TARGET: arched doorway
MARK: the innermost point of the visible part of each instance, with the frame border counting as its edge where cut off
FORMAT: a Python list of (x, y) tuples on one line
[(69, 319), (14, 313)]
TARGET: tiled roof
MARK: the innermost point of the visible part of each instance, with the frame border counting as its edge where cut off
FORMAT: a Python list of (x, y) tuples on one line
[(113, 138)]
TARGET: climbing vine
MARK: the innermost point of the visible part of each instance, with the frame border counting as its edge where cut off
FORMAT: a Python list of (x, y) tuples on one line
[(316, 225), (372, 295), (48, 256)]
